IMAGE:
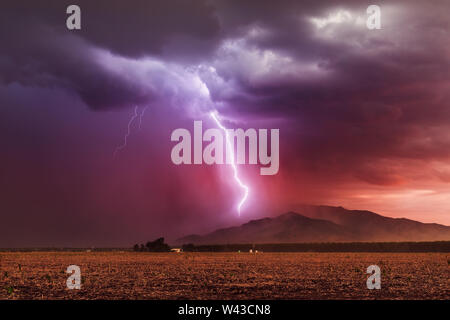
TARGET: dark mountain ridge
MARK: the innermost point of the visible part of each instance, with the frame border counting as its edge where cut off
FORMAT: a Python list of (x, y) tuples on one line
[(324, 224)]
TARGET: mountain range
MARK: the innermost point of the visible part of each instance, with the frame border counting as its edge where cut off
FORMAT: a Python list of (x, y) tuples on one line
[(324, 224)]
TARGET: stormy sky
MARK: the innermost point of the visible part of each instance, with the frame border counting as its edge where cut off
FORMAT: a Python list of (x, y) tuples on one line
[(364, 115)]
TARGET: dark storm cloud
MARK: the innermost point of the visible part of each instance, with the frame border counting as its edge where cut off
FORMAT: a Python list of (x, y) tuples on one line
[(47, 59), (131, 28), (358, 110), (347, 91), (38, 50), (353, 95)]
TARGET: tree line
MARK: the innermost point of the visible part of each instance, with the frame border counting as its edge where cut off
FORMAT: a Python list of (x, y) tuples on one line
[(432, 246), (152, 246)]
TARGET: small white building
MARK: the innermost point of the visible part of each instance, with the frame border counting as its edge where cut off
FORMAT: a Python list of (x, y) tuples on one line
[(177, 250)]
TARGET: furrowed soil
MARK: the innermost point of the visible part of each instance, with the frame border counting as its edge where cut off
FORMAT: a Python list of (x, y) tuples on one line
[(130, 275)]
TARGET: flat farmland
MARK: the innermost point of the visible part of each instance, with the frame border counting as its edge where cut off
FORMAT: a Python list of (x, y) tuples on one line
[(130, 275)]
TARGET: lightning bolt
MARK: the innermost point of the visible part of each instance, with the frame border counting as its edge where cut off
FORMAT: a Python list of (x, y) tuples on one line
[(125, 138), (140, 117), (230, 147)]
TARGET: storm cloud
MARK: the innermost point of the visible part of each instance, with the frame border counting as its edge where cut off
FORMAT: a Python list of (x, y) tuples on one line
[(364, 111)]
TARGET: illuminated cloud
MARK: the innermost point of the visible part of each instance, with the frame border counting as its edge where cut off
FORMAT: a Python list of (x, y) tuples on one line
[(363, 114), (340, 16)]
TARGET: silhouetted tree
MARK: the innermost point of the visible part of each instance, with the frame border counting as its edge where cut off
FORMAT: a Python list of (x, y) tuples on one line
[(157, 246), (136, 247)]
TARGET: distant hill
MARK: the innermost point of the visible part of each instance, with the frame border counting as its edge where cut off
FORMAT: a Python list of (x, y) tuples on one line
[(324, 224), (369, 226)]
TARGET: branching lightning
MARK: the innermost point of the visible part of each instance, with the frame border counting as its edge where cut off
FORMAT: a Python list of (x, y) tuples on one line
[(125, 139), (230, 148), (213, 115), (141, 115)]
